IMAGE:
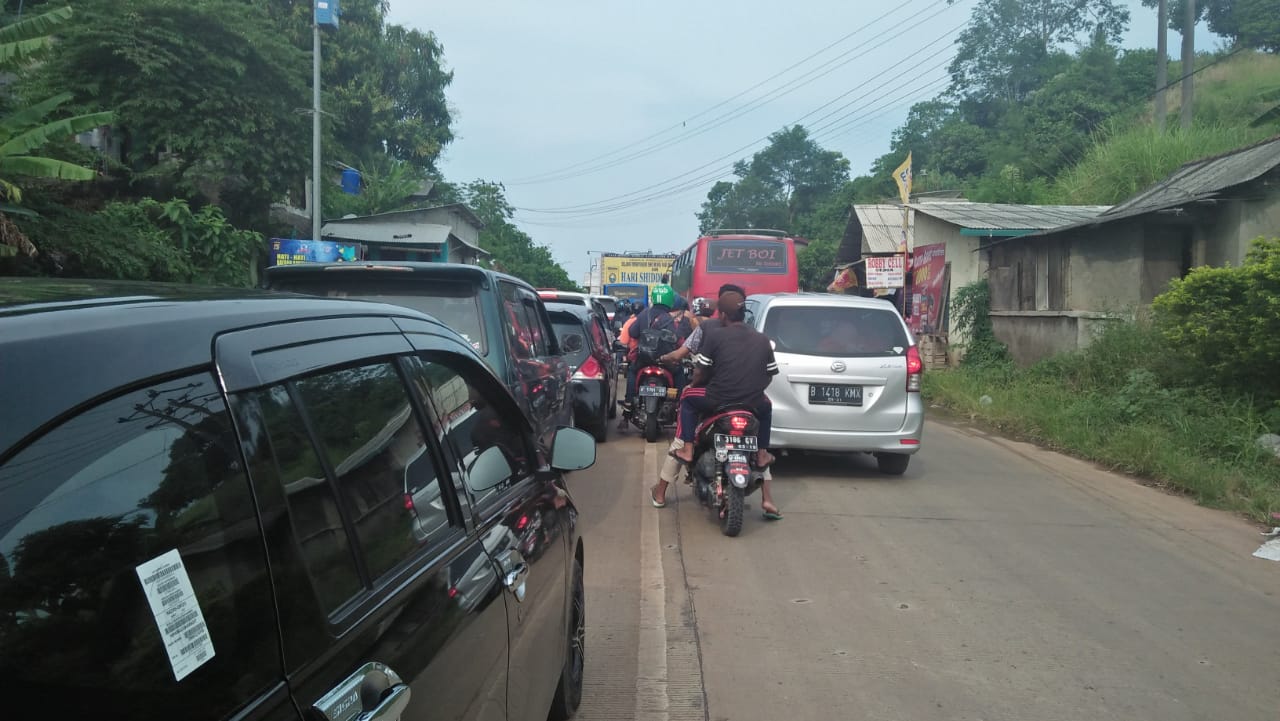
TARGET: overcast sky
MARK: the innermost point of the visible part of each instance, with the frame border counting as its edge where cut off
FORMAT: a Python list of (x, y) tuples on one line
[(629, 107)]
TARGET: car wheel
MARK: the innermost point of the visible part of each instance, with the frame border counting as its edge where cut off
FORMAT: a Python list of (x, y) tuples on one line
[(569, 691), (893, 464)]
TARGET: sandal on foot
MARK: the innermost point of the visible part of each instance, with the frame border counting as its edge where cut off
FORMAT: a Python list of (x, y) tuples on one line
[(653, 498), (772, 515)]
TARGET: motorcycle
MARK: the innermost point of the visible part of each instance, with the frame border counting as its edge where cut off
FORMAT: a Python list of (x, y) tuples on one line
[(657, 401), (724, 471)]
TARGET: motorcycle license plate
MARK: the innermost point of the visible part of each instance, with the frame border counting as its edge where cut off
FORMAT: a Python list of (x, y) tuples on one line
[(652, 391), (735, 443)]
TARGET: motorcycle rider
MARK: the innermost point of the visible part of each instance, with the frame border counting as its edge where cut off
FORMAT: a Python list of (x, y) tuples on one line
[(656, 316), (702, 312), (733, 366)]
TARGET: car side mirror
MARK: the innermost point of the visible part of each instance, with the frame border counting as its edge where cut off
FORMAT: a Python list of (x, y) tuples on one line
[(773, 344), (572, 342), (489, 470), (572, 450)]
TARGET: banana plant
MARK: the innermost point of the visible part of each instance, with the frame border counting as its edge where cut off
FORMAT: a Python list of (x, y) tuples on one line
[(28, 129)]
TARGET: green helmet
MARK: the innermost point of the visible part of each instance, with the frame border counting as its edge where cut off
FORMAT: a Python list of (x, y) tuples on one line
[(662, 294)]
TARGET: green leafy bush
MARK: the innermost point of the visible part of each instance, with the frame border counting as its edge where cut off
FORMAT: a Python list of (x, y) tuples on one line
[(146, 240), (1224, 323), (972, 315)]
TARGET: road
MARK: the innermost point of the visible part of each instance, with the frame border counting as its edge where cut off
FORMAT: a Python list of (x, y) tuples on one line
[(993, 581)]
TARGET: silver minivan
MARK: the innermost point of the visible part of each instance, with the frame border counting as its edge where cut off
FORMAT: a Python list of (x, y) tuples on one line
[(849, 376)]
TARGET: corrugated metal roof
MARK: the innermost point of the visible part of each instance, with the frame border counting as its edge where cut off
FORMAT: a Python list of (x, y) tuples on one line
[(1205, 177), (999, 216), (1198, 180), (387, 232), (882, 227)]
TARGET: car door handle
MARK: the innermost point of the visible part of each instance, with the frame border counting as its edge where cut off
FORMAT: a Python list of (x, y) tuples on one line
[(373, 693), (515, 573)]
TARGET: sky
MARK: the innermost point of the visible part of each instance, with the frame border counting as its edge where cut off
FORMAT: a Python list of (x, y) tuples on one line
[(607, 122)]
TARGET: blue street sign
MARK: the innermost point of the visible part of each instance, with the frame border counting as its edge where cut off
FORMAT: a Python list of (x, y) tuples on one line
[(291, 252), (327, 12)]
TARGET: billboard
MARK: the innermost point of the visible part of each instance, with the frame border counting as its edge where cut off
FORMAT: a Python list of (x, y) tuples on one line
[(927, 273), (286, 251), (884, 271), (645, 269)]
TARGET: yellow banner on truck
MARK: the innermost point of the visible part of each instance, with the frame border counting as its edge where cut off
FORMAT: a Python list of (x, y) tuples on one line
[(643, 269)]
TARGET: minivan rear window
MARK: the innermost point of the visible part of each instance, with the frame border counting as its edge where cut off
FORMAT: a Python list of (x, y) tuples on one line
[(454, 303), (568, 324), (836, 331)]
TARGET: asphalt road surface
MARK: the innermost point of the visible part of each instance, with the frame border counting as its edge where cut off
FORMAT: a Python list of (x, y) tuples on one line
[(993, 581)]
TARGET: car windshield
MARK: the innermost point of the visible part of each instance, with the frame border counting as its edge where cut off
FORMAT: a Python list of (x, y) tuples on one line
[(564, 300), (566, 324), (609, 305), (454, 303), (836, 331)]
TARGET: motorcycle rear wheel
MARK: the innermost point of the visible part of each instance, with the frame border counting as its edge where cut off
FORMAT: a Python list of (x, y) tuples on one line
[(732, 513)]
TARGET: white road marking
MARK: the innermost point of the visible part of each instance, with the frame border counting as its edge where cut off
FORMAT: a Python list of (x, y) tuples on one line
[(652, 702)]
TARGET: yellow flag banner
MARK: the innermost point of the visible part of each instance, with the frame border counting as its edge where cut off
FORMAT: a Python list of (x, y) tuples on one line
[(902, 176)]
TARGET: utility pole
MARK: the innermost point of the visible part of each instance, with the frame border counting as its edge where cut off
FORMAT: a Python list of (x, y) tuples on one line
[(1162, 65), (1188, 60), (315, 124)]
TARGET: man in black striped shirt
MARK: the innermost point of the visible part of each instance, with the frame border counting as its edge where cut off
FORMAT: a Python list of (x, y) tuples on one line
[(733, 366)]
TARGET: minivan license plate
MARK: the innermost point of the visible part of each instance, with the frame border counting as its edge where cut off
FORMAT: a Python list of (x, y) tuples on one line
[(652, 391), (825, 394), (735, 443)]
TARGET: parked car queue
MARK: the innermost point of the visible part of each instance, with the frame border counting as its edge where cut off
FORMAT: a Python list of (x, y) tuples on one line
[(228, 504)]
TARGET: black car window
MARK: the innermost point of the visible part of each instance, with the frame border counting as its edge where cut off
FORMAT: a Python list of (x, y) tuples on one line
[(539, 328), (478, 421), (132, 579), (565, 325), (452, 302), (313, 507), (519, 332), (379, 456)]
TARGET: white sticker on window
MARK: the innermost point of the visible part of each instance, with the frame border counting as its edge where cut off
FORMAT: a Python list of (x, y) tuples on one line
[(177, 613)]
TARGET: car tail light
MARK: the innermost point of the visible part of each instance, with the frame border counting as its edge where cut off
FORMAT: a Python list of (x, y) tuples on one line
[(915, 369), (910, 441), (739, 423), (589, 370)]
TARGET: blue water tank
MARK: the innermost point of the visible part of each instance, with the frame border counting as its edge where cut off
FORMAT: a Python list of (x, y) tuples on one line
[(351, 181)]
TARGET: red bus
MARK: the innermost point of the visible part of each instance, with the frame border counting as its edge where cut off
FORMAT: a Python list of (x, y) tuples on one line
[(761, 261)]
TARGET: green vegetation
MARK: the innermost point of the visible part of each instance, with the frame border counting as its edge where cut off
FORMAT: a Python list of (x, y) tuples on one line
[(1180, 399), (206, 99)]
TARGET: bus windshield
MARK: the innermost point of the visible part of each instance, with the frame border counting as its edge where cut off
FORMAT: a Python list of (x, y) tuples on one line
[(628, 292), (768, 257)]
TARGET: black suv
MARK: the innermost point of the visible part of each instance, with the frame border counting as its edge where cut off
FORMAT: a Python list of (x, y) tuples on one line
[(499, 315), (218, 504)]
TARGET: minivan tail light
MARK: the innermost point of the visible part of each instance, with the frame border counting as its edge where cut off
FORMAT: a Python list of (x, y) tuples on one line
[(589, 370), (915, 369)]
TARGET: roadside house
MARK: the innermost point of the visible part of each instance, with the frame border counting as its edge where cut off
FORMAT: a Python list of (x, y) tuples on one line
[(443, 234), (961, 227), (1052, 290)]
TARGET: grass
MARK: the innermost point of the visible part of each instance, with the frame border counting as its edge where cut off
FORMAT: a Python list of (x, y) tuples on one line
[(1129, 155), (1109, 404), (1132, 159)]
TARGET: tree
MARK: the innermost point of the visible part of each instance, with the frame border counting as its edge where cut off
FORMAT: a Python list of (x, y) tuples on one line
[(387, 184), (1011, 47), (1251, 23), (383, 83), (789, 178), (207, 97), (513, 251), (25, 130)]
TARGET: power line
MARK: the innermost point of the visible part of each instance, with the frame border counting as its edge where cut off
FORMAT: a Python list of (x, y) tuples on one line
[(840, 126), (622, 201), (776, 93), (546, 177)]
